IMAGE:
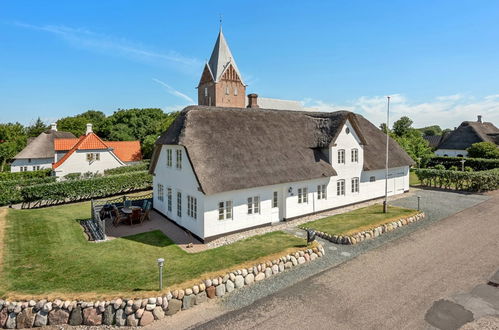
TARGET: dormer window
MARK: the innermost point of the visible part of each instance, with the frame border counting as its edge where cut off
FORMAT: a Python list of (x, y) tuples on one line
[(341, 156), (355, 155)]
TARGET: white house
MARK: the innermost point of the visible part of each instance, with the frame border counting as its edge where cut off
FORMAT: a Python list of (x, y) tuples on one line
[(222, 170), (455, 143)]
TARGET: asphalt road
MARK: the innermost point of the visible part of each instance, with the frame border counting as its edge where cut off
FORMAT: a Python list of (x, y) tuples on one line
[(390, 287)]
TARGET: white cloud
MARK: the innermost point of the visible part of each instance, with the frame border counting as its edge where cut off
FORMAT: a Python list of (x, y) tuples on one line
[(173, 91), (447, 111), (83, 38)]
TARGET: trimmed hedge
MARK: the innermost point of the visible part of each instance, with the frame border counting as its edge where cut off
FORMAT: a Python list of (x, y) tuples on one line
[(77, 190), (10, 191), (477, 164), (459, 180), (8, 176), (144, 166)]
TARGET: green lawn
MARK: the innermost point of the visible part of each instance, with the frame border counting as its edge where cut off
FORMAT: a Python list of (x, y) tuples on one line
[(358, 220), (413, 179), (46, 252)]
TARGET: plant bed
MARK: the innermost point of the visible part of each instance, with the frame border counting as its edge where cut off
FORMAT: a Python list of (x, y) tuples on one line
[(361, 224)]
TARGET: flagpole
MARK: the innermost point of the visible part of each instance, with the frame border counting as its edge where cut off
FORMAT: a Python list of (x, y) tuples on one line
[(385, 202)]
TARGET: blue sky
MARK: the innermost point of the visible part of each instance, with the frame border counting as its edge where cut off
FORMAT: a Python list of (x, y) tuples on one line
[(438, 59)]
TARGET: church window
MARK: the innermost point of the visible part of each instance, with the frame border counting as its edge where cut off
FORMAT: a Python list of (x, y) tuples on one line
[(235, 91), (227, 90), (206, 91)]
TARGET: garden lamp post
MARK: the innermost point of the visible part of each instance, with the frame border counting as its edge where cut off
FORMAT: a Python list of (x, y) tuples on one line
[(419, 200), (462, 164), (161, 262)]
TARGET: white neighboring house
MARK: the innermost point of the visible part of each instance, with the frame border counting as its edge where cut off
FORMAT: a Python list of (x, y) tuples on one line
[(222, 170)]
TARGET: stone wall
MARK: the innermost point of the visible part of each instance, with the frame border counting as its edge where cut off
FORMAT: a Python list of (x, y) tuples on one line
[(368, 234), (140, 312)]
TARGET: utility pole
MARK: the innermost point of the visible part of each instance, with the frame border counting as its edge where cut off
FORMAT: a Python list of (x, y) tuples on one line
[(385, 202)]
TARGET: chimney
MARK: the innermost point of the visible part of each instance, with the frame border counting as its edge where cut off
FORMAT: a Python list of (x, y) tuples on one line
[(89, 129), (479, 118), (53, 127), (253, 101)]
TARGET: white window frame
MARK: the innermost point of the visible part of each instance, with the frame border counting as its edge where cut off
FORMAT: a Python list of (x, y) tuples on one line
[(225, 210), (169, 157), (169, 196), (161, 192), (93, 156), (192, 207), (355, 185), (179, 204), (322, 191), (303, 195), (254, 205), (178, 153), (355, 155), (275, 199), (340, 187), (341, 156)]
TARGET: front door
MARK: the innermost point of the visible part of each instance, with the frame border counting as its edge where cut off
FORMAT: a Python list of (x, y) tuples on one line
[(275, 213)]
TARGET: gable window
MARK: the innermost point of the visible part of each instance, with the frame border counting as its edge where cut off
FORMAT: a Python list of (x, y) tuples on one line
[(235, 91), (170, 197), (340, 187), (91, 156), (179, 158), (274, 199), (302, 195), (227, 90), (372, 179), (341, 156), (206, 91), (192, 207), (179, 204), (169, 157), (253, 205), (321, 191), (355, 155), (225, 210), (160, 192), (355, 185)]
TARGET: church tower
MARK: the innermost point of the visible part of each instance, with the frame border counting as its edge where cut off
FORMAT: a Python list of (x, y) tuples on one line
[(221, 84)]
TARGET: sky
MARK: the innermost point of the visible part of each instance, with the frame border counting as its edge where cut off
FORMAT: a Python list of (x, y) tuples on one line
[(438, 60)]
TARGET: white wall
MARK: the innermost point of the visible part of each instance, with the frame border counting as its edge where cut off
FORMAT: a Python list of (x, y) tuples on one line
[(78, 163), (44, 163), (182, 180), (451, 152)]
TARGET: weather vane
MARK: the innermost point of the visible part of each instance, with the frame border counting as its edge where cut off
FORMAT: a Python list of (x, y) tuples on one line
[(220, 20)]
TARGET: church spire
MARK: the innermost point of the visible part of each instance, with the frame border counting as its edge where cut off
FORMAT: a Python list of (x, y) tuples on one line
[(221, 57)]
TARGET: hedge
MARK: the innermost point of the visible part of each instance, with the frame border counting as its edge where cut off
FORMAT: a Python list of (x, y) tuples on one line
[(77, 190), (10, 191), (459, 180), (143, 166), (8, 176), (477, 164)]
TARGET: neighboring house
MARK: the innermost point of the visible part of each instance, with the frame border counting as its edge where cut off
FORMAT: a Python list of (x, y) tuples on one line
[(455, 143), (39, 153), (222, 170), (433, 140), (91, 154)]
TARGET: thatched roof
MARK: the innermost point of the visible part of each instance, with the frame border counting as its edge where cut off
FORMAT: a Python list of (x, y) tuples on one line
[(470, 132), (43, 145), (234, 148), (433, 140)]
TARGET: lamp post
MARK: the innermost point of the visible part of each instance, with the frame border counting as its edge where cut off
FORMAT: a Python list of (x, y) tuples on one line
[(385, 202), (161, 262), (419, 200), (462, 164)]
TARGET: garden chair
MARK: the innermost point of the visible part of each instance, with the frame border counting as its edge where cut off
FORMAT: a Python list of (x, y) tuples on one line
[(136, 216), (127, 203), (144, 216), (118, 217)]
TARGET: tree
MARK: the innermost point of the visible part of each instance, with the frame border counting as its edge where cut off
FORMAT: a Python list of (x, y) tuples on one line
[(401, 127), (12, 140), (415, 145), (483, 150), (36, 128), (78, 124), (431, 130)]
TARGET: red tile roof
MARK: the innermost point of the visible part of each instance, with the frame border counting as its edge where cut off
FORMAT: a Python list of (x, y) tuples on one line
[(64, 144), (127, 151)]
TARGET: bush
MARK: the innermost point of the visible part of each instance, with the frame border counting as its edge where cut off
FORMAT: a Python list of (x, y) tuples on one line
[(72, 176), (453, 168), (143, 166), (8, 176), (71, 191), (459, 180), (483, 150), (439, 167), (477, 164), (10, 191), (468, 169)]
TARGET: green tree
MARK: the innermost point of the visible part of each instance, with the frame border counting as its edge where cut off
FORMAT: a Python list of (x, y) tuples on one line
[(401, 127), (78, 124), (12, 140), (36, 128), (148, 146), (431, 130), (483, 150)]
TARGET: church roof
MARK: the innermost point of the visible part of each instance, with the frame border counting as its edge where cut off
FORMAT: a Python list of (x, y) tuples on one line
[(220, 59), (233, 148)]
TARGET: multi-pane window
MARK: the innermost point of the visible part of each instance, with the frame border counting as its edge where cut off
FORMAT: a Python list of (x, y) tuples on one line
[(161, 195), (372, 179), (302, 195), (169, 157), (179, 204), (24, 168), (341, 156), (355, 155), (355, 185), (321, 191), (253, 205), (340, 187), (169, 199), (225, 210), (192, 207), (91, 156), (179, 158), (274, 199)]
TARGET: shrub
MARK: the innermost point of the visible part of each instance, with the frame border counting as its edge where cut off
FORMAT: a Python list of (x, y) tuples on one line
[(143, 166), (8, 176), (10, 191), (477, 164), (483, 150), (468, 169), (72, 176), (459, 180), (439, 167), (71, 191), (453, 168)]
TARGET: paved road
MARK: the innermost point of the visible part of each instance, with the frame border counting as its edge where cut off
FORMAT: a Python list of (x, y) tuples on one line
[(390, 287)]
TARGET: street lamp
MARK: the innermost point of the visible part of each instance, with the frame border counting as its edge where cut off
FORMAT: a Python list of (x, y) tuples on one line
[(385, 202), (161, 262), (462, 164)]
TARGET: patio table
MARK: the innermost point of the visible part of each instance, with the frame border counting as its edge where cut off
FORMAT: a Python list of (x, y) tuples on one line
[(128, 211)]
